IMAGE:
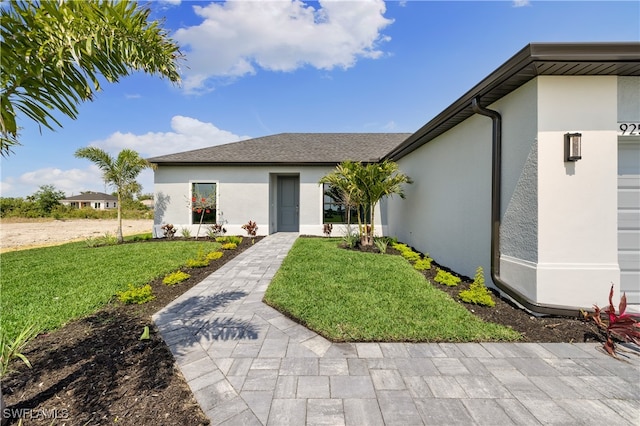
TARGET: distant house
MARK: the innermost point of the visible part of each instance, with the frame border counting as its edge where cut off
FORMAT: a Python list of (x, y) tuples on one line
[(533, 174), (93, 200)]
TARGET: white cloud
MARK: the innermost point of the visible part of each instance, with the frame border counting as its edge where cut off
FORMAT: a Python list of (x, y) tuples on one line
[(236, 37), (70, 181), (188, 134), (521, 3)]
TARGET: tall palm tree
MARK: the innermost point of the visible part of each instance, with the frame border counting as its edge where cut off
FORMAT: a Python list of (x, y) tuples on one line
[(120, 172)]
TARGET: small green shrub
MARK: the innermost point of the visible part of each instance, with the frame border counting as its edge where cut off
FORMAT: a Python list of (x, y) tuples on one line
[(137, 295), (401, 247), (235, 239), (477, 293), (381, 244), (350, 239), (175, 278), (446, 278), (214, 255), (423, 264), (411, 255), (229, 246), (186, 232), (197, 263), (107, 239)]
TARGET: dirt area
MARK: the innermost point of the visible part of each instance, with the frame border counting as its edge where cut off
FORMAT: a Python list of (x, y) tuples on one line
[(22, 234)]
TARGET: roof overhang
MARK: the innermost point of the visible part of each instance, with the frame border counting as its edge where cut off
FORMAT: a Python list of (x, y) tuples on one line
[(536, 59)]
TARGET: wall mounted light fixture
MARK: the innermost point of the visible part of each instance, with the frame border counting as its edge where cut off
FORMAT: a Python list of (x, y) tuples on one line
[(572, 146)]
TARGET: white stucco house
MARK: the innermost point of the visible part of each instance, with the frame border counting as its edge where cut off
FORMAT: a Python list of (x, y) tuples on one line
[(533, 174), (93, 200)]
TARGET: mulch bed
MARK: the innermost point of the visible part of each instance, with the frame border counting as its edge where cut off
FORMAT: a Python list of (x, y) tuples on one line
[(96, 370)]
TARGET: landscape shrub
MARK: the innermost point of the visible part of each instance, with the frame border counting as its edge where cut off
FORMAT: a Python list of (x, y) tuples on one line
[(446, 278), (107, 239), (235, 239), (411, 255), (214, 255), (477, 293), (175, 278), (186, 232), (229, 246), (423, 264), (137, 295), (381, 244)]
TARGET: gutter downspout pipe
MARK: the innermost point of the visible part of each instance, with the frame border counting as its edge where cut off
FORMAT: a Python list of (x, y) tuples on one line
[(496, 202)]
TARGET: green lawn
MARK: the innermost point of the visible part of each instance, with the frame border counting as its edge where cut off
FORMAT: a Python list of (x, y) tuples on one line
[(353, 296), (53, 285)]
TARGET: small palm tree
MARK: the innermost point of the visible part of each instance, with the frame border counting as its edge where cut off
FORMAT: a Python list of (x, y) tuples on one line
[(120, 172), (376, 181), (363, 186)]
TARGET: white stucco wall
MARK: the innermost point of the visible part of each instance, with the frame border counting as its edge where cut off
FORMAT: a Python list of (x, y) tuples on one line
[(577, 259), (243, 194), (558, 230)]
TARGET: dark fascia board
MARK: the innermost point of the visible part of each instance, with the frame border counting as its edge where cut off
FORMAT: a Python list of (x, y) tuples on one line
[(519, 69), (250, 164)]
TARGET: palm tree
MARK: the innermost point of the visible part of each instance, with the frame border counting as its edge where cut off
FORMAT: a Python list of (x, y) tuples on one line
[(120, 172), (342, 188), (376, 181), (54, 54), (363, 186)]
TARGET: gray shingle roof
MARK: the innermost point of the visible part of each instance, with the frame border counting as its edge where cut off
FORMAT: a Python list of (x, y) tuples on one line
[(92, 196), (292, 148)]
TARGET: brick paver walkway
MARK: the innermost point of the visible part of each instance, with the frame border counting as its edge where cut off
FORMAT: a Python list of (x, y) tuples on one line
[(247, 364)]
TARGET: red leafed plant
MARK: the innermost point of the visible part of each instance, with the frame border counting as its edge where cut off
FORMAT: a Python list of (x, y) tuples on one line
[(621, 326), (251, 228)]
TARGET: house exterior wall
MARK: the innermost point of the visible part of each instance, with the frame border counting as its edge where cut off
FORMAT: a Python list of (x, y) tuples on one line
[(578, 257), (243, 193), (558, 219)]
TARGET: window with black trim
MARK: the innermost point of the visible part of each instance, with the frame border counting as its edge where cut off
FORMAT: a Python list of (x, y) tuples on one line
[(203, 202), (333, 207)]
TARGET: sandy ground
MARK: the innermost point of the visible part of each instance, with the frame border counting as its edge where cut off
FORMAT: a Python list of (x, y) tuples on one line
[(20, 235)]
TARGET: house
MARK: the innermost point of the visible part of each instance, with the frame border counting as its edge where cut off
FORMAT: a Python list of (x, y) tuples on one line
[(271, 180), (533, 174), (94, 200)]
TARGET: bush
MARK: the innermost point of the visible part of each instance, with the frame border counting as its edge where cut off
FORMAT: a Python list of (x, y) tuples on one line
[(197, 263), (107, 239), (175, 278), (229, 246), (477, 293), (186, 232), (423, 264), (446, 278), (214, 255), (137, 295), (381, 244), (235, 239), (411, 255)]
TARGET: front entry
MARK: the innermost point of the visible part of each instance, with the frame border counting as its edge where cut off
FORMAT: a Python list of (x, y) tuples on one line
[(288, 203)]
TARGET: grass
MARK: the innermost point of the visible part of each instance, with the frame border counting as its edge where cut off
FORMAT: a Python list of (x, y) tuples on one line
[(353, 296), (53, 285)]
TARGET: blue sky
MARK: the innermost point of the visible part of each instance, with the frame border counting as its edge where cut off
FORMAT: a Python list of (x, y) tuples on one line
[(255, 68)]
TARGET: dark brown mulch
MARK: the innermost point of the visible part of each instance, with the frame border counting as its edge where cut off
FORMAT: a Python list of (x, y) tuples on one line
[(96, 370)]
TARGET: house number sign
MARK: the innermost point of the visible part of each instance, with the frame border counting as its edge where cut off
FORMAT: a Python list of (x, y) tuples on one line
[(629, 129)]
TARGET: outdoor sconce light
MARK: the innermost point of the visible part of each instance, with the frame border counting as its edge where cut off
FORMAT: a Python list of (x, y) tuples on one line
[(572, 142)]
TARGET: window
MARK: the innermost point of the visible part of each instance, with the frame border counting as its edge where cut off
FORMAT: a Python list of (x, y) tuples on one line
[(96, 205), (333, 209), (106, 205), (203, 203)]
